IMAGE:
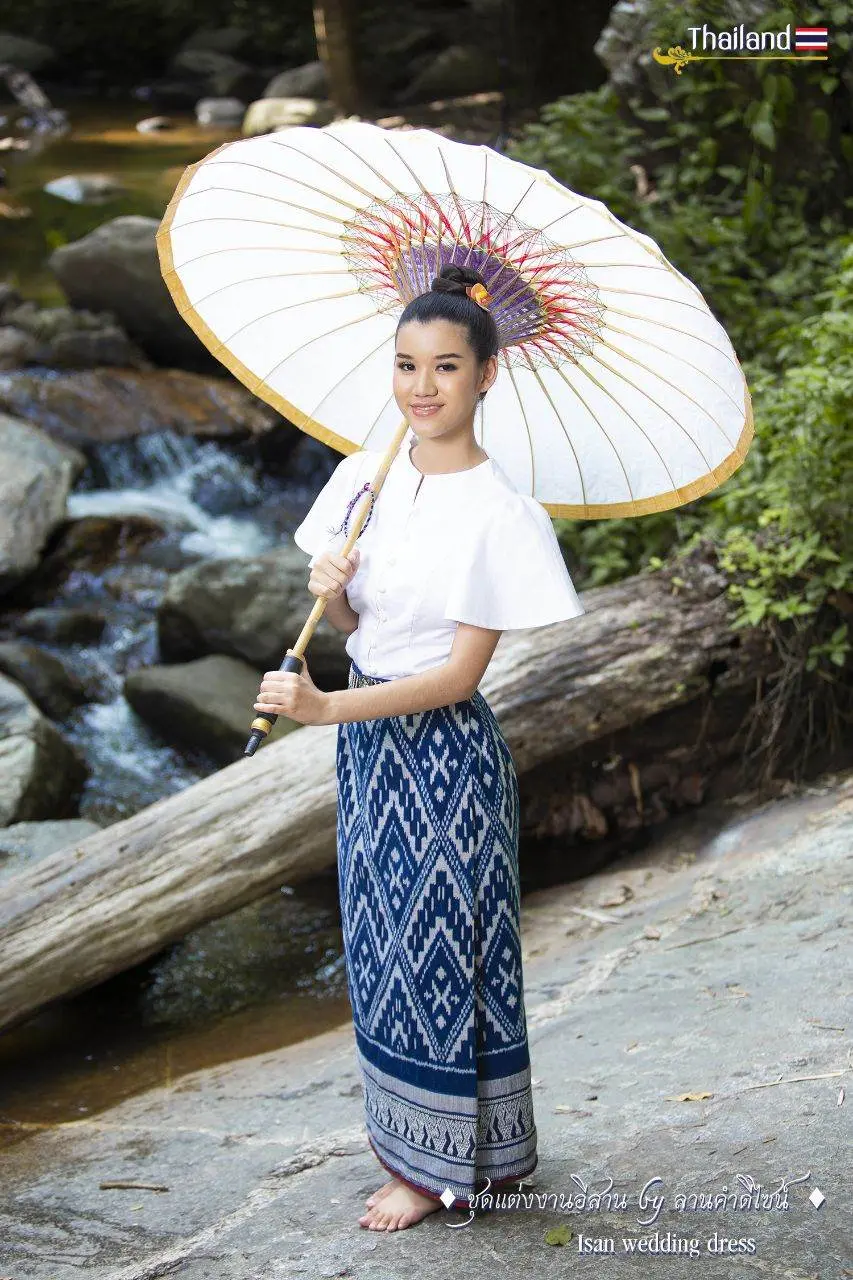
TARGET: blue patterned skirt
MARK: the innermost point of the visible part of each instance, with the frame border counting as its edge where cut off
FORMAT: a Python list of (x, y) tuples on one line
[(428, 822)]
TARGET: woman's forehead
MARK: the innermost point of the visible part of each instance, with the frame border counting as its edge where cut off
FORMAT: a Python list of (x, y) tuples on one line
[(432, 338)]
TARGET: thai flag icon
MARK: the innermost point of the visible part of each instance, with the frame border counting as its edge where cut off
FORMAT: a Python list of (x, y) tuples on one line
[(810, 39)]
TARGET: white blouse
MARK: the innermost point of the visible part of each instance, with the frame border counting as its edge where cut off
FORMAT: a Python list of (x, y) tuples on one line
[(438, 550)]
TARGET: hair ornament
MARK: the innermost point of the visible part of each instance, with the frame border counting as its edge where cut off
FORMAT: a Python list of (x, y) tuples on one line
[(480, 294)]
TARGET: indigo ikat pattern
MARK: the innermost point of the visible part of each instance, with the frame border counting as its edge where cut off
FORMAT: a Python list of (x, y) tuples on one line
[(428, 822)]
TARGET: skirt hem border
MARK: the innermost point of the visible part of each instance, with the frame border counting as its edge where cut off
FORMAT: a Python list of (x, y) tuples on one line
[(458, 1202)]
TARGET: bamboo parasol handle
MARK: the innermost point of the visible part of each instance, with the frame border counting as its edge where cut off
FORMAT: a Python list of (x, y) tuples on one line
[(294, 657)]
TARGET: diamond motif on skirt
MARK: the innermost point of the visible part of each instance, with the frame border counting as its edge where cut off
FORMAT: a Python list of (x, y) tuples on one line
[(428, 821)]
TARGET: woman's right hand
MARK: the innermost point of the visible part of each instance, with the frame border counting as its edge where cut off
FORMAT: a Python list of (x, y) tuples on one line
[(331, 573)]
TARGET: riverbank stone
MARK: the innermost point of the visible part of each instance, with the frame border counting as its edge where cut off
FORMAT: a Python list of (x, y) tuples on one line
[(53, 686), (220, 111), (308, 81), (60, 625), (84, 407), (251, 608), (36, 476), (64, 338), (268, 115), (40, 772), (206, 705), (116, 268)]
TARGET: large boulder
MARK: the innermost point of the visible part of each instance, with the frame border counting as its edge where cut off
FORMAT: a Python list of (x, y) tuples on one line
[(218, 74), (309, 81), (457, 71), (632, 31), (269, 114), (92, 406), (155, 124), (40, 772), (249, 608), (85, 547), (116, 268), (18, 348), (36, 476), (53, 686), (206, 705)]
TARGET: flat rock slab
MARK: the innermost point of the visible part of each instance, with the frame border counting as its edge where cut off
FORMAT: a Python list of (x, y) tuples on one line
[(722, 970)]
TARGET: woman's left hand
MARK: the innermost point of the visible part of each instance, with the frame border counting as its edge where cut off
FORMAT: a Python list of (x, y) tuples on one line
[(293, 694)]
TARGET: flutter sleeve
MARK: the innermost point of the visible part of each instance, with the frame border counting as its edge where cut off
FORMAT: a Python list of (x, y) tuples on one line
[(513, 574), (321, 529)]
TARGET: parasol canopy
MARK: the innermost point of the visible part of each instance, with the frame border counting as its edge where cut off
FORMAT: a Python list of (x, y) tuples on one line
[(292, 254)]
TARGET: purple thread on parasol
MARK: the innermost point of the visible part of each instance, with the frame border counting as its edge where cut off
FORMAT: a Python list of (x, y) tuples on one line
[(543, 302)]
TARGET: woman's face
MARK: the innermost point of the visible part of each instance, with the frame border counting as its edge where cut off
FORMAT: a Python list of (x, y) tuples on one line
[(437, 377)]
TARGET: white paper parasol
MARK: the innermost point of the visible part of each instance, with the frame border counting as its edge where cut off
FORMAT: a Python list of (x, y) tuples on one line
[(291, 255)]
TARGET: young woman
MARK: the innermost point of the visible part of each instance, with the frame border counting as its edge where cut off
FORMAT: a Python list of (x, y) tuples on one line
[(428, 812)]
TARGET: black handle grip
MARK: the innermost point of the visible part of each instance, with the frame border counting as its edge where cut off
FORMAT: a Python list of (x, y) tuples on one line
[(263, 723)]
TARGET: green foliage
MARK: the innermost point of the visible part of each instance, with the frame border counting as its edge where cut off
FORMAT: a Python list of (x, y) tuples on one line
[(786, 536), (584, 142), (740, 171)]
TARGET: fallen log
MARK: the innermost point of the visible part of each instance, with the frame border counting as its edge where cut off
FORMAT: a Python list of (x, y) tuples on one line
[(110, 901)]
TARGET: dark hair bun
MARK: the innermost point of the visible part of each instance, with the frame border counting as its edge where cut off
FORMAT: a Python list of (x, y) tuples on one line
[(454, 279), (448, 300)]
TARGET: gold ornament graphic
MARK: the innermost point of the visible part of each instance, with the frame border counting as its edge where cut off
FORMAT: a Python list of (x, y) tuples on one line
[(675, 57)]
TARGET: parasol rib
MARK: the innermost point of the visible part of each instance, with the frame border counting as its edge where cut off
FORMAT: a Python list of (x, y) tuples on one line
[(655, 373), (288, 177), (612, 328), (641, 429), (662, 324), (288, 146), (369, 356)]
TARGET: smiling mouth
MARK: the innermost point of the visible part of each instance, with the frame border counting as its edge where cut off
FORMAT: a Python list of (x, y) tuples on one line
[(425, 410)]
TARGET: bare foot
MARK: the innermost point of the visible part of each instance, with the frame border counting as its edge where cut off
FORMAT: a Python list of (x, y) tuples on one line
[(383, 1191), (400, 1208)]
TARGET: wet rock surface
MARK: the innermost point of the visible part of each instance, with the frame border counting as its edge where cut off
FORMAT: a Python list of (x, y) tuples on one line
[(206, 704), (717, 974), (37, 474), (40, 772), (89, 406)]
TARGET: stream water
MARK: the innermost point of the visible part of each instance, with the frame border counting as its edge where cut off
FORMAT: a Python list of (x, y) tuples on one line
[(102, 139), (211, 503), (266, 975), (272, 972)]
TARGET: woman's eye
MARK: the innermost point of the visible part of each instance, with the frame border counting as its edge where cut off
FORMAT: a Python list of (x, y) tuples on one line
[(406, 366)]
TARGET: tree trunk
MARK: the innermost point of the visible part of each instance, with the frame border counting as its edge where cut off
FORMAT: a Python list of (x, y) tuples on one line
[(333, 28), (94, 909)]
